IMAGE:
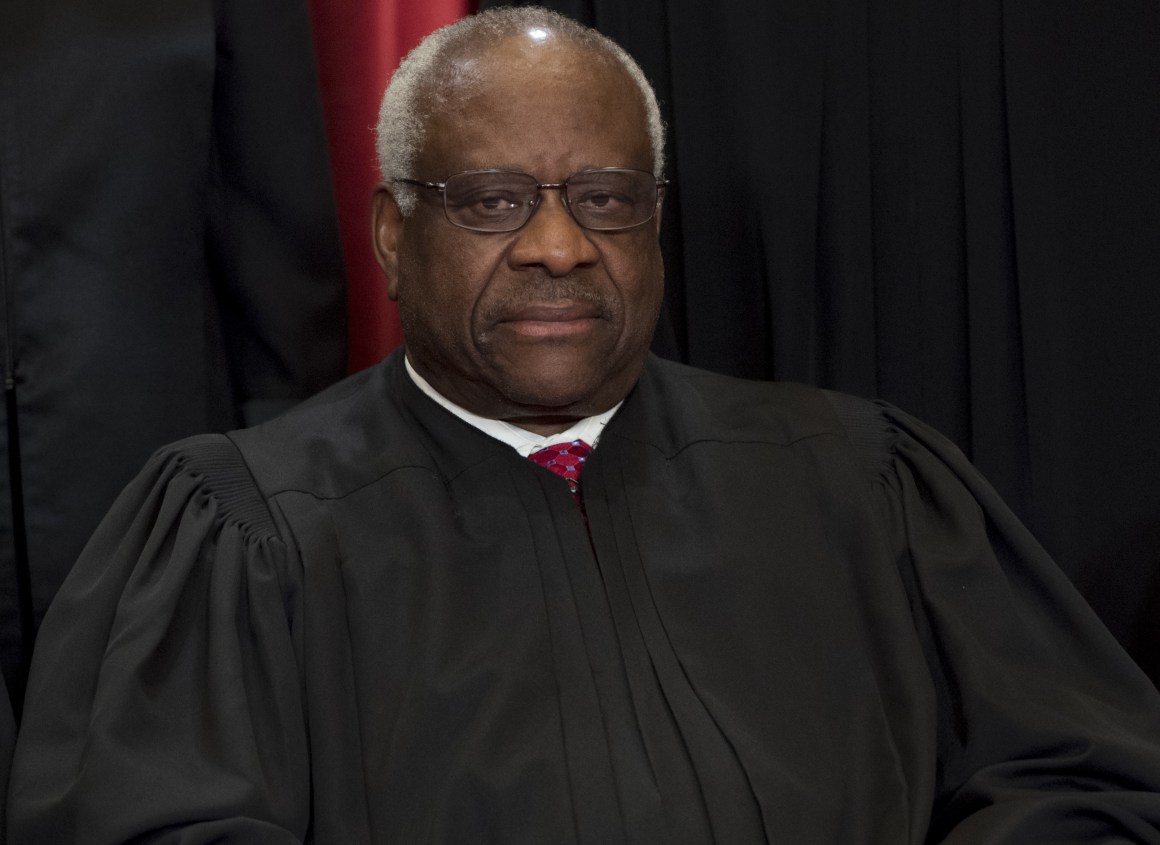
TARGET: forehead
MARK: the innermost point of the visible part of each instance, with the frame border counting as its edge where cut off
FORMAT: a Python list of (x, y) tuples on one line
[(540, 105)]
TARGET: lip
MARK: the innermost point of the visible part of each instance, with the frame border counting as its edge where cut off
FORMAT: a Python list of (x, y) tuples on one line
[(547, 321)]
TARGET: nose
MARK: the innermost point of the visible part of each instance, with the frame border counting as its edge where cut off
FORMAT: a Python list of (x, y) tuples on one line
[(552, 239)]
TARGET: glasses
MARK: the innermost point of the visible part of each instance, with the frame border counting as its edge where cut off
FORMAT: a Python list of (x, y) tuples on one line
[(606, 200)]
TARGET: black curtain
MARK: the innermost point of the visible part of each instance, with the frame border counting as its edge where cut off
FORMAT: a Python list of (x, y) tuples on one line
[(169, 257), (954, 206)]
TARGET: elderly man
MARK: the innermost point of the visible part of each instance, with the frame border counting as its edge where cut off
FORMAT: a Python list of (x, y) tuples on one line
[(761, 613)]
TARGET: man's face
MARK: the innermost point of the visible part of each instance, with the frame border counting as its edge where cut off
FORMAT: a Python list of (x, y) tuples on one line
[(551, 322)]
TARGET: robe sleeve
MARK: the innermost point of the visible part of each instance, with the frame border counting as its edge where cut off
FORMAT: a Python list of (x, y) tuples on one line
[(1048, 731), (165, 703)]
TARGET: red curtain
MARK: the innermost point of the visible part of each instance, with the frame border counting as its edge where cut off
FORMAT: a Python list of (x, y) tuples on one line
[(359, 43)]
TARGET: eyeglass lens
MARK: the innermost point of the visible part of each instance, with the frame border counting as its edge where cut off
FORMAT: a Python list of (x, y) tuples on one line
[(502, 201)]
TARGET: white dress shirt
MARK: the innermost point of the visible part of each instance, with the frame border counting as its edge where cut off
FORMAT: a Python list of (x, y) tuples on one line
[(523, 441)]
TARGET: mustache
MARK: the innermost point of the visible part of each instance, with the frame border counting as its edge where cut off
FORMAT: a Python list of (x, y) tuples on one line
[(547, 290)]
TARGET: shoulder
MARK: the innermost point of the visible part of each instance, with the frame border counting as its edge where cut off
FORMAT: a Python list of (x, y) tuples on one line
[(337, 441), (870, 426), (324, 447), (675, 404), (735, 408), (206, 469)]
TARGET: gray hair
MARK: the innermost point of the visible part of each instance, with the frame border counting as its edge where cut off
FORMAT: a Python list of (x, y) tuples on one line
[(414, 93)]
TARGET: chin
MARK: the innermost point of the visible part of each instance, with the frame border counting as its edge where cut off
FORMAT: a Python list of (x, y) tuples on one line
[(569, 403), (573, 385), (551, 396)]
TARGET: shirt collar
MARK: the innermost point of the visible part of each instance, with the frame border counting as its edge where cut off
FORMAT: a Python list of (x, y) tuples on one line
[(523, 441)]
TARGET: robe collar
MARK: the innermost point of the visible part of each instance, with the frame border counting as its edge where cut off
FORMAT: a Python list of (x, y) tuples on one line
[(523, 441)]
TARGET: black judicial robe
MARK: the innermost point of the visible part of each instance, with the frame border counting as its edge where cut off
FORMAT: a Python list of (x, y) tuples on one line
[(802, 618)]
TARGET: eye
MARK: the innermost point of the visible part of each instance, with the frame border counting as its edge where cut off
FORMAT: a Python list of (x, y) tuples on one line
[(486, 206), (601, 201), (489, 200)]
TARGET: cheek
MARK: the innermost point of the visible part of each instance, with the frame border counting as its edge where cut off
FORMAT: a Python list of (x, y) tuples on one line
[(426, 292), (638, 272), (441, 281)]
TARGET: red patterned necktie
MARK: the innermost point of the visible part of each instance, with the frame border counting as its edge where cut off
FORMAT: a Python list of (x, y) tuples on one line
[(566, 460)]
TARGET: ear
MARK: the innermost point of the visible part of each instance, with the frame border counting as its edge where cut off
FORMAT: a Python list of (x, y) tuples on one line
[(386, 229)]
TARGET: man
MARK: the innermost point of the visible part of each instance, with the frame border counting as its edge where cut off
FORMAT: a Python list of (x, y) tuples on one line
[(774, 614)]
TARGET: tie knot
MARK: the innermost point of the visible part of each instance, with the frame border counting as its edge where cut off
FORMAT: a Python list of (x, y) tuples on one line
[(564, 459)]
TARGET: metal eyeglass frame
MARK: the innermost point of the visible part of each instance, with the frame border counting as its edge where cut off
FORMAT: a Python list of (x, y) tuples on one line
[(534, 205)]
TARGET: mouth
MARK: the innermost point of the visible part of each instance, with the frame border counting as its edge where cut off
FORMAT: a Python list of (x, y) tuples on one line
[(551, 321)]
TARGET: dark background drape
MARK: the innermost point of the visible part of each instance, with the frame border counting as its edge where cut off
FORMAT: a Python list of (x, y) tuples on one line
[(954, 206), (169, 259)]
